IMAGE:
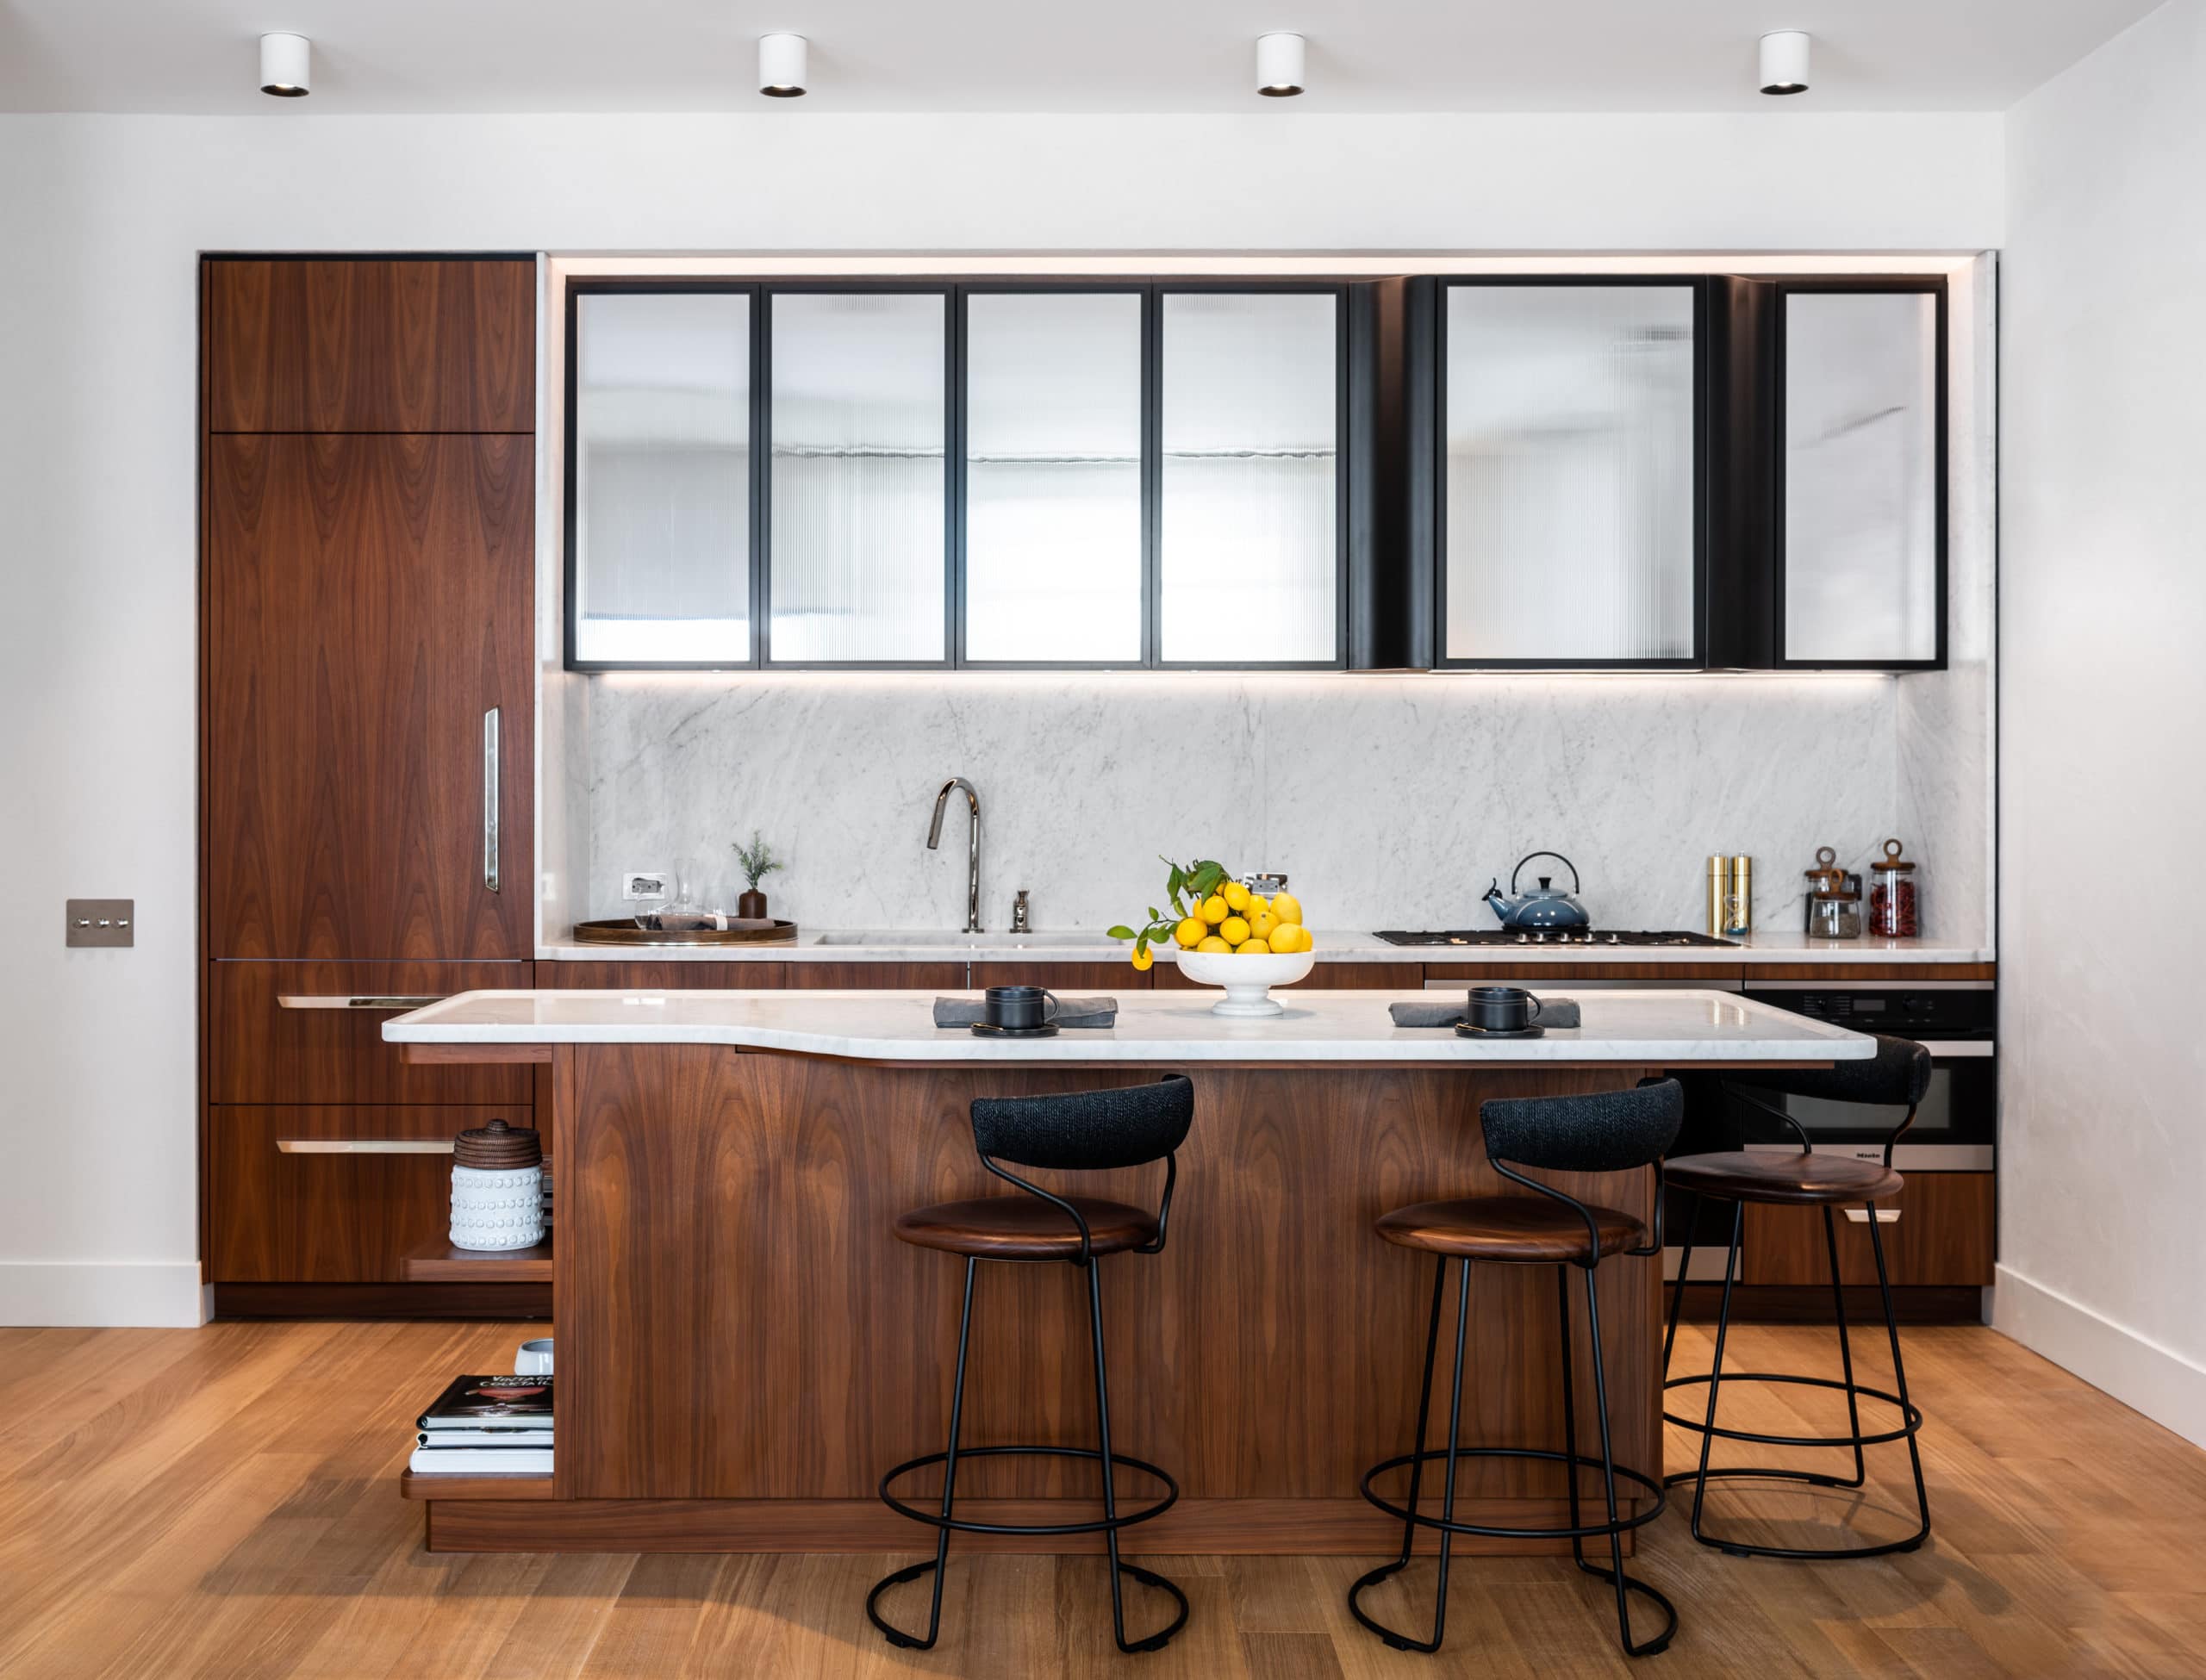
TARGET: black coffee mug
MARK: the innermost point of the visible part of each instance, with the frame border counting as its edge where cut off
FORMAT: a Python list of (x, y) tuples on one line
[(1501, 1008), (1020, 1008)]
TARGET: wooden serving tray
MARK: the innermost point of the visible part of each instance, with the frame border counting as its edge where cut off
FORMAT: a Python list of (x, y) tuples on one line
[(627, 933)]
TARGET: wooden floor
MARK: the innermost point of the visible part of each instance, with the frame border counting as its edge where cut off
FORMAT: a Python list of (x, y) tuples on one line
[(223, 1502)]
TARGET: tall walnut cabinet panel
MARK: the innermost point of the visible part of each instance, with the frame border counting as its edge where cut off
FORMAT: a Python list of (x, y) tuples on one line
[(367, 570)]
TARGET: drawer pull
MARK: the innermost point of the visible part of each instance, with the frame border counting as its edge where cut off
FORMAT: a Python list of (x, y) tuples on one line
[(364, 1146), (1885, 1216), (380, 1001)]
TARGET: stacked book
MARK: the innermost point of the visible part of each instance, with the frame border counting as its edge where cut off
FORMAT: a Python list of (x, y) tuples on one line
[(487, 1425)]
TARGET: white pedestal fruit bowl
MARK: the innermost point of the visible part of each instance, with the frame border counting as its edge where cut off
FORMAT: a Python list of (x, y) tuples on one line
[(1247, 980)]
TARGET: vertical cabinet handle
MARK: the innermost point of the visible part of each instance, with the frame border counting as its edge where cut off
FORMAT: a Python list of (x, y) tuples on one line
[(490, 799)]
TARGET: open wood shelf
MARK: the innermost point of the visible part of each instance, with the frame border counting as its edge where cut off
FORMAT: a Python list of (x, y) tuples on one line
[(441, 1263), (485, 1485)]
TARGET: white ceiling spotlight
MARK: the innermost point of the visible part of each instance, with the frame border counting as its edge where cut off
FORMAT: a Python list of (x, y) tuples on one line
[(781, 66), (1279, 65), (1784, 60), (284, 65)]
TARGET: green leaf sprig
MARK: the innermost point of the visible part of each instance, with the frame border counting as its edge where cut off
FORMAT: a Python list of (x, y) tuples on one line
[(1196, 880)]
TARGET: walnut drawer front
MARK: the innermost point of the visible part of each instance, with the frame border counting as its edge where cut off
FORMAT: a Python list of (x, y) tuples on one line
[(1938, 1230)]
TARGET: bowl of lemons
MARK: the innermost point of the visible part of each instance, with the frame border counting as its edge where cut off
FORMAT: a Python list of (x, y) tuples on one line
[(1226, 936)]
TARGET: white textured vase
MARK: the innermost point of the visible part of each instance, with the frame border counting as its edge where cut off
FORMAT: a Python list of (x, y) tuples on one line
[(494, 1210)]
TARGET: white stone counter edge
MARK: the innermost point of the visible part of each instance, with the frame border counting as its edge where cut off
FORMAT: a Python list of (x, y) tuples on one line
[(1331, 947), (1652, 1029)]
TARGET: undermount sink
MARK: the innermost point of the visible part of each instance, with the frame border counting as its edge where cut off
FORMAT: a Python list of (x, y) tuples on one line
[(1004, 941)]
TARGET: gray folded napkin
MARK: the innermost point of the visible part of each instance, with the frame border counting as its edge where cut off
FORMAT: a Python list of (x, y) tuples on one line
[(1071, 1012), (1440, 1013)]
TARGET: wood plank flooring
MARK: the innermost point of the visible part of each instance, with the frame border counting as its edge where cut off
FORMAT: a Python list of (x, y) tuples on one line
[(223, 1502)]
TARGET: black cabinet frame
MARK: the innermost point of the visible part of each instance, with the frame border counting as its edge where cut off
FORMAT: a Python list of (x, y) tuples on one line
[(1352, 512)]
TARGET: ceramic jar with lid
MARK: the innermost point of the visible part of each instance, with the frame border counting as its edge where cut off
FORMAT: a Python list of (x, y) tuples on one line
[(1833, 900), (1895, 895), (497, 1188)]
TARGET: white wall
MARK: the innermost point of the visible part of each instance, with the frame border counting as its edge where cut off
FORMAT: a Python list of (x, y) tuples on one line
[(99, 222), (2103, 784)]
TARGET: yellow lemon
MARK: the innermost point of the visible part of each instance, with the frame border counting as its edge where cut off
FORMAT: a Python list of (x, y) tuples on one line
[(1214, 910), (1261, 924), (1213, 944), (1143, 957), (1190, 932), (1287, 938), (1235, 894), (1303, 942), (1254, 944), (1233, 931), (1287, 908)]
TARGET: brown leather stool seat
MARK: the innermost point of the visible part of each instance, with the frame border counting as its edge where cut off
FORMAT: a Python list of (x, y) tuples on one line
[(1742, 1175), (1527, 1229), (1025, 1228)]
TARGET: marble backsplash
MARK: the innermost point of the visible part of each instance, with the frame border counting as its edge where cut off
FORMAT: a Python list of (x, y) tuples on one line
[(1391, 800)]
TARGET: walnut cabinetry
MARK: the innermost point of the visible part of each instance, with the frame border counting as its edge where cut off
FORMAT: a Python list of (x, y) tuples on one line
[(1937, 1234), (367, 702)]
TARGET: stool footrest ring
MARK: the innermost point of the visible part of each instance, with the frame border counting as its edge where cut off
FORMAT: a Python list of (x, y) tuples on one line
[(1104, 1525), (1584, 1531), (1910, 1414)]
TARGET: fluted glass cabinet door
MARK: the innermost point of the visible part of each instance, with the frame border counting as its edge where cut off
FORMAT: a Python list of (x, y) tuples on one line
[(1250, 514), (1053, 477), (661, 534), (1860, 466), (1569, 511), (858, 500)]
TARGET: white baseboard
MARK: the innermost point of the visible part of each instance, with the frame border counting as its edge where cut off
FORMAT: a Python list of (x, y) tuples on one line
[(160, 1293), (2144, 1375)]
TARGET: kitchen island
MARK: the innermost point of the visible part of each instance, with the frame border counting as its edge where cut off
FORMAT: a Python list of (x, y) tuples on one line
[(744, 1346)]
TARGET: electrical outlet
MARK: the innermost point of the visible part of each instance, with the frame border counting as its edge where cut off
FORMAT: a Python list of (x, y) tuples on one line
[(646, 884), (101, 922)]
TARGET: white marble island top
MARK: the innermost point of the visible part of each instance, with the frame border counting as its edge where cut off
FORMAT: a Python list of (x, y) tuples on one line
[(1655, 1028)]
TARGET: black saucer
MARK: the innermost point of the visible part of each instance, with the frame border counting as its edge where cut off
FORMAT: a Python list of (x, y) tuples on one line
[(1465, 1030), (988, 1030)]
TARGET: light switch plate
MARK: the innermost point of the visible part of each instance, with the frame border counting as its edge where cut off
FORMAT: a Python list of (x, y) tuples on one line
[(646, 884), (102, 921)]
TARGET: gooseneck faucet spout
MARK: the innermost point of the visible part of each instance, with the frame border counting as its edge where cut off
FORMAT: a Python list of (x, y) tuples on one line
[(973, 846)]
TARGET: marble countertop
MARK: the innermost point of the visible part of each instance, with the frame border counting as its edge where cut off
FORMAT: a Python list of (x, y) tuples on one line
[(1661, 1029), (835, 945)]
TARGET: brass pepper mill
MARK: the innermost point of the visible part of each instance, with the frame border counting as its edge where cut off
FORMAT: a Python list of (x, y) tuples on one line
[(1718, 885), (1739, 896)]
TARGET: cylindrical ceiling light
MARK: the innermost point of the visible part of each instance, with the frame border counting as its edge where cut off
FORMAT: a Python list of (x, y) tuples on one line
[(284, 66), (781, 66), (1279, 65), (1784, 60)]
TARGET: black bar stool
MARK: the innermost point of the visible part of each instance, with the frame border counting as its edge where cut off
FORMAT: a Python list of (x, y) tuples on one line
[(1084, 1131), (1897, 1077), (1612, 1131)]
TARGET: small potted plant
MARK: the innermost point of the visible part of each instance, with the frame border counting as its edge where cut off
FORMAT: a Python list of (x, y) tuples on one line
[(758, 861)]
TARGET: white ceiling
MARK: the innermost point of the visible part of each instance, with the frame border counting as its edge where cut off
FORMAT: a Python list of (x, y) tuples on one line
[(1039, 55)]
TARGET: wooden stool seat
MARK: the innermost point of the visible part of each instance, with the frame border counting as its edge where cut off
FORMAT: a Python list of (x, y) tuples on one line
[(1025, 1228), (1742, 1175), (1526, 1229)]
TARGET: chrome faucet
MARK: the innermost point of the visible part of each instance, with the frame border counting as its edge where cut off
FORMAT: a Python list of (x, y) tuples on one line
[(973, 851)]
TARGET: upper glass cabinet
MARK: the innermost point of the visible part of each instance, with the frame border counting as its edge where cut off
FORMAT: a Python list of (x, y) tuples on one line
[(858, 569), (1053, 477), (1569, 500), (1249, 515), (659, 526), (1862, 475)]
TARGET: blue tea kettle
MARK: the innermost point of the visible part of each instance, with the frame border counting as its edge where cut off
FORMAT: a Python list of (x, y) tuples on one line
[(1544, 908)]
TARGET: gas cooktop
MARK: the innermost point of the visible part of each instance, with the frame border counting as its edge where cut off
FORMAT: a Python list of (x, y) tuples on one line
[(1545, 937)]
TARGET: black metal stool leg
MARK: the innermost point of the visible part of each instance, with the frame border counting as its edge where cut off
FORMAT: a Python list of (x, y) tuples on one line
[(1678, 1294), (1899, 1385), (1569, 1412), (1715, 1369), (1615, 1573), (1845, 1353), (896, 1636), (1155, 1641)]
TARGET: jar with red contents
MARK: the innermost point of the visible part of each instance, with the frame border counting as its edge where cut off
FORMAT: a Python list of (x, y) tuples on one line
[(1895, 896)]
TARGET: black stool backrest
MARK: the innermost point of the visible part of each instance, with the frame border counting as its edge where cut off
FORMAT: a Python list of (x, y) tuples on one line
[(1604, 1131), (1896, 1078), (1086, 1130)]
